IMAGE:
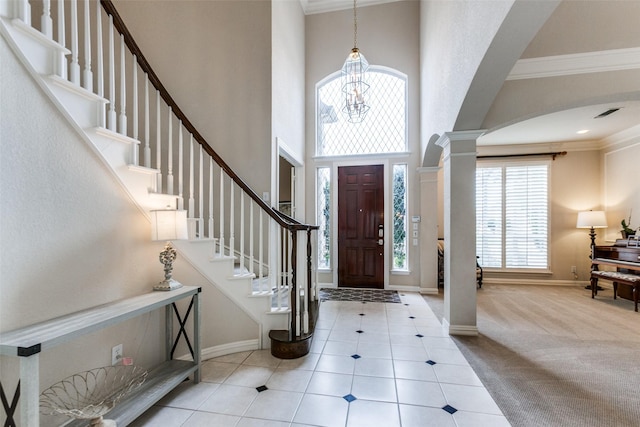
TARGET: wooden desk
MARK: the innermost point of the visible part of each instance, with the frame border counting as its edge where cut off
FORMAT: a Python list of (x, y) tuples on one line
[(27, 344)]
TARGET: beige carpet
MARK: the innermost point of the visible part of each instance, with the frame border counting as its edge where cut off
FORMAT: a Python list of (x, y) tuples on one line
[(552, 356)]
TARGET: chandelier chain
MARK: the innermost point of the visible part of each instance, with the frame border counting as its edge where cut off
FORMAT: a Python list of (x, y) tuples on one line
[(355, 26)]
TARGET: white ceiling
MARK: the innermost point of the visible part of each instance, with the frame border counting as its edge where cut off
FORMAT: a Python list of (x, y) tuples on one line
[(563, 126), (560, 126)]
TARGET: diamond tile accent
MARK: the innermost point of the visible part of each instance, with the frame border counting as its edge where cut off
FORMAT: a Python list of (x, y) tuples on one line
[(412, 317), (361, 314), (262, 388), (419, 335), (430, 362), (349, 398), (359, 331), (450, 409), (356, 356)]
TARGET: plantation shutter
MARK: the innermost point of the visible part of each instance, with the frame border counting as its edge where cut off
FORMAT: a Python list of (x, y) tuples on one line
[(512, 216)]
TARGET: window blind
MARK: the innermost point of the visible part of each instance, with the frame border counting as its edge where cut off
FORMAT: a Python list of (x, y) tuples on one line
[(512, 216)]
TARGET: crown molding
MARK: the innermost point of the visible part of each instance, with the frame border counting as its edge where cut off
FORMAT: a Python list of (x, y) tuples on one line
[(577, 63)]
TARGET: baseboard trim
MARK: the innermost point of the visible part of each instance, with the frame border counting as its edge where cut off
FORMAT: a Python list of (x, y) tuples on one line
[(403, 288), (224, 349), (428, 291), (469, 331)]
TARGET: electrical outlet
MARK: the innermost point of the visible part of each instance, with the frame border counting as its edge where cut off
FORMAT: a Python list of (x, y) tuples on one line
[(116, 354), (573, 269)]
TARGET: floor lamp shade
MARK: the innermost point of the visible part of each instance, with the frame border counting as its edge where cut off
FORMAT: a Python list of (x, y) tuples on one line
[(591, 219), (168, 225)]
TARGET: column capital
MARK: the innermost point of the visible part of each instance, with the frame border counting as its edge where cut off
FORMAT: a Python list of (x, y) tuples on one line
[(464, 135), (428, 170)]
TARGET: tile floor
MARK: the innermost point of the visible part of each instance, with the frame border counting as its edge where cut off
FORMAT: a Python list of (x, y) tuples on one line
[(371, 364)]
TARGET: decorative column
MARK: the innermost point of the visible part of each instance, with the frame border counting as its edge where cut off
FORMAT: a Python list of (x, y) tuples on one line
[(428, 230), (459, 160)]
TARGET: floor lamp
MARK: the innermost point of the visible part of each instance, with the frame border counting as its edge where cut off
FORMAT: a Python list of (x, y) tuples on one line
[(592, 220)]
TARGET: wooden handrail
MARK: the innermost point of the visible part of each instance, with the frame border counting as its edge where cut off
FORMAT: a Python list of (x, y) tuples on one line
[(119, 24)]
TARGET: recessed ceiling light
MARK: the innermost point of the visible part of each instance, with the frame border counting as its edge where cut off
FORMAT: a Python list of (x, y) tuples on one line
[(582, 132)]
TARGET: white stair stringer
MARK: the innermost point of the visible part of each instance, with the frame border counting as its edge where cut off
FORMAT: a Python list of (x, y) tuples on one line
[(84, 110), (219, 270)]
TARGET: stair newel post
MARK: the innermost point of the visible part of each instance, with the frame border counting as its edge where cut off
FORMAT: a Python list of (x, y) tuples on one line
[(123, 89), (147, 146), (75, 66), (251, 239), (211, 224), (112, 79), (87, 74), (221, 218), (62, 59), (170, 154), (180, 167), (45, 21), (307, 288), (158, 145), (293, 288), (232, 204), (134, 147), (192, 209), (200, 193)]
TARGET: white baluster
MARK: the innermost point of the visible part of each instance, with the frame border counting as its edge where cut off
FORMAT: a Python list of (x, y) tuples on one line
[(147, 146), (87, 75), (192, 203), (232, 203), (102, 108), (180, 168), (280, 273), (74, 69), (211, 229), (221, 218), (45, 21), (158, 143), (251, 237), (170, 155), (24, 11), (62, 58), (242, 229), (112, 80), (200, 195), (260, 260), (123, 89), (135, 147)]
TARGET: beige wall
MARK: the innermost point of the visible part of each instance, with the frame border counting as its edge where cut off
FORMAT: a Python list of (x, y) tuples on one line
[(217, 66)]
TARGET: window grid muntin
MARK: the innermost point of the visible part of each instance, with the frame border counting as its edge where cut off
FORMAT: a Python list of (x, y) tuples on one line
[(382, 131)]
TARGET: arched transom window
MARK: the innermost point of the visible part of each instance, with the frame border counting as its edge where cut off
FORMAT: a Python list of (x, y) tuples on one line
[(383, 130)]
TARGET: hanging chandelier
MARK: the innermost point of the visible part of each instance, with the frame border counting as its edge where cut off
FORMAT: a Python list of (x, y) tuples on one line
[(354, 85)]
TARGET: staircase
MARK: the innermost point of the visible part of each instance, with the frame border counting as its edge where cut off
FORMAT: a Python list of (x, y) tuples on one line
[(117, 104)]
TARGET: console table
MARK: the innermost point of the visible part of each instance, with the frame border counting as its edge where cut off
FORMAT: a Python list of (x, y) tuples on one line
[(27, 343)]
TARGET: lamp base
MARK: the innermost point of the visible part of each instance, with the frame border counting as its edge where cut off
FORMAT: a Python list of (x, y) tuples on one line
[(167, 285)]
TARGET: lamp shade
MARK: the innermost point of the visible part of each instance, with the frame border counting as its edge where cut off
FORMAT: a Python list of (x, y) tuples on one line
[(591, 219), (168, 225)]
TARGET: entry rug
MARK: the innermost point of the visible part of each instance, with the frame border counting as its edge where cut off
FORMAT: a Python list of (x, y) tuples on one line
[(353, 294)]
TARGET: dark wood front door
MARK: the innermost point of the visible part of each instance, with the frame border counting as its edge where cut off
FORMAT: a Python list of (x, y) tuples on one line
[(361, 227)]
